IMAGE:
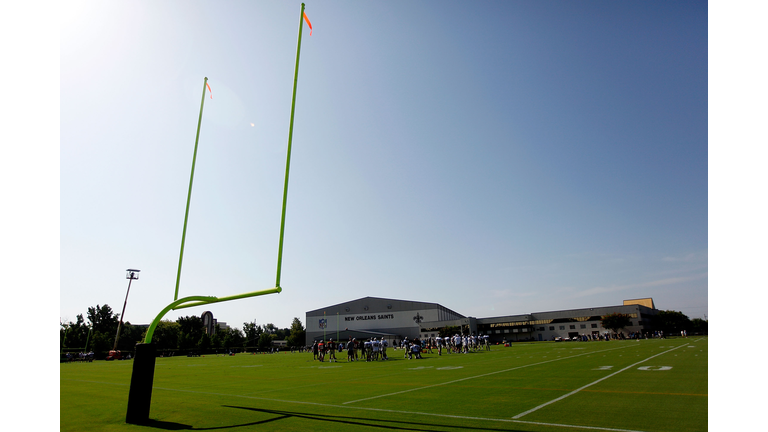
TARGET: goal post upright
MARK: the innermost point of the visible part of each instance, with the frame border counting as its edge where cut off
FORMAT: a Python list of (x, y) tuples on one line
[(140, 391)]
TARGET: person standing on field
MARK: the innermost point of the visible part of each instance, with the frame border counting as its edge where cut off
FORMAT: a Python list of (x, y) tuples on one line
[(351, 349), (384, 345), (332, 351), (376, 347)]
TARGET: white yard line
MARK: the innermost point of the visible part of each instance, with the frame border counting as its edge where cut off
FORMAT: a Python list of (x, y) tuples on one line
[(593, 383), (502, 420), (480, 376)]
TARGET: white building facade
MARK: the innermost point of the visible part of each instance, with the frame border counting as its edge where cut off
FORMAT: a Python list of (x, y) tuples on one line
[(369, 317), (394, 320)]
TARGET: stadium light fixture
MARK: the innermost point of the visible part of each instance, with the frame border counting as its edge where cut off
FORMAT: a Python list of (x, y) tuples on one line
[(131, 275)]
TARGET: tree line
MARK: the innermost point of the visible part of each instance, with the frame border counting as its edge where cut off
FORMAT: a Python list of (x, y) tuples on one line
[(186, 334), (668, 321)]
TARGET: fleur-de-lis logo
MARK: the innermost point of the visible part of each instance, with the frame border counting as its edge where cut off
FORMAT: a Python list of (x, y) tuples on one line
[(323, 323), (418, 318)]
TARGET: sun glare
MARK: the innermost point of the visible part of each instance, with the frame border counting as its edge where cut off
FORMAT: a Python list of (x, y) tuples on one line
[(71, 12)]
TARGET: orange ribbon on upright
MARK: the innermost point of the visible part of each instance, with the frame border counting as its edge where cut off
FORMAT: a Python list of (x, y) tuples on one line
[(209, 89), (308, 23)]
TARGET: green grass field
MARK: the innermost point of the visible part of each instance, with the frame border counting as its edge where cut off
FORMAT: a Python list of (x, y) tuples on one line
[(647, 385)]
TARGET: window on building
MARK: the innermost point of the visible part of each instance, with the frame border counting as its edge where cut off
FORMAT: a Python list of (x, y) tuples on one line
[(583, 326), (562, 327), (573, 327), (551, 328), (594, 325)]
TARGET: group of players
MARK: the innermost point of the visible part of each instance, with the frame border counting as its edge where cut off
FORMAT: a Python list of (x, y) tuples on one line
[(375, 349), (368, 350), (451, 344)]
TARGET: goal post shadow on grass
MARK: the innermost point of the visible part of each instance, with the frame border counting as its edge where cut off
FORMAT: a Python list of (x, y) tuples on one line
[(142, 375)]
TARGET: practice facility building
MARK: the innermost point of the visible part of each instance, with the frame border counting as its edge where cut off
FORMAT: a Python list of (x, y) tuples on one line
[(394, 320), (543, 326), (370, 317)]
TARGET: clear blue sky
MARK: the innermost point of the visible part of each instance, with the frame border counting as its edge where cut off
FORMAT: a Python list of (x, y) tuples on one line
[(495, 157)]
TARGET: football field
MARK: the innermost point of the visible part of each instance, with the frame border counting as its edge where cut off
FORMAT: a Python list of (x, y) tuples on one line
[(646, 385)]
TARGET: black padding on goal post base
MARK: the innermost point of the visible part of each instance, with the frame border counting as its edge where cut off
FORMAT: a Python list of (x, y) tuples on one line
[(140, 393)]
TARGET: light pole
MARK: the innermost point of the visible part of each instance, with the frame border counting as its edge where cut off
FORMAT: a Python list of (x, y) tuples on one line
[(64, 340), (131, 275), (87, 339)]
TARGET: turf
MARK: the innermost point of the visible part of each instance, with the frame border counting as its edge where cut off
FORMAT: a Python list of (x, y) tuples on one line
[(647, 385)]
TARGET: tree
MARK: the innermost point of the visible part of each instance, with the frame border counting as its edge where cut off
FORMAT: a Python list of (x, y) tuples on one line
[(74, 335), (282, 334), (104, 327), (699, 326), (616, 321), (101, 343), (216, 338), (130, 335), (191, 330), (166, 335), (233, 338), (265, 341), (204, 344), (102, 319), (670, 322), (252, 333), (298, 334)]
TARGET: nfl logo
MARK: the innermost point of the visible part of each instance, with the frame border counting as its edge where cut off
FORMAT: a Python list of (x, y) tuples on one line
[(323, 323)]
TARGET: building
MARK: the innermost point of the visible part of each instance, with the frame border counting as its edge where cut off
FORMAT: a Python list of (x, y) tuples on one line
[(370, 317), (543, 326), (395, 319), (210, 323)]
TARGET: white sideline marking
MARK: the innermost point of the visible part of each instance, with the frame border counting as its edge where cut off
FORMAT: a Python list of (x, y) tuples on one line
[(95, 382), (503, 420), (476, 376), (591, 384)]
